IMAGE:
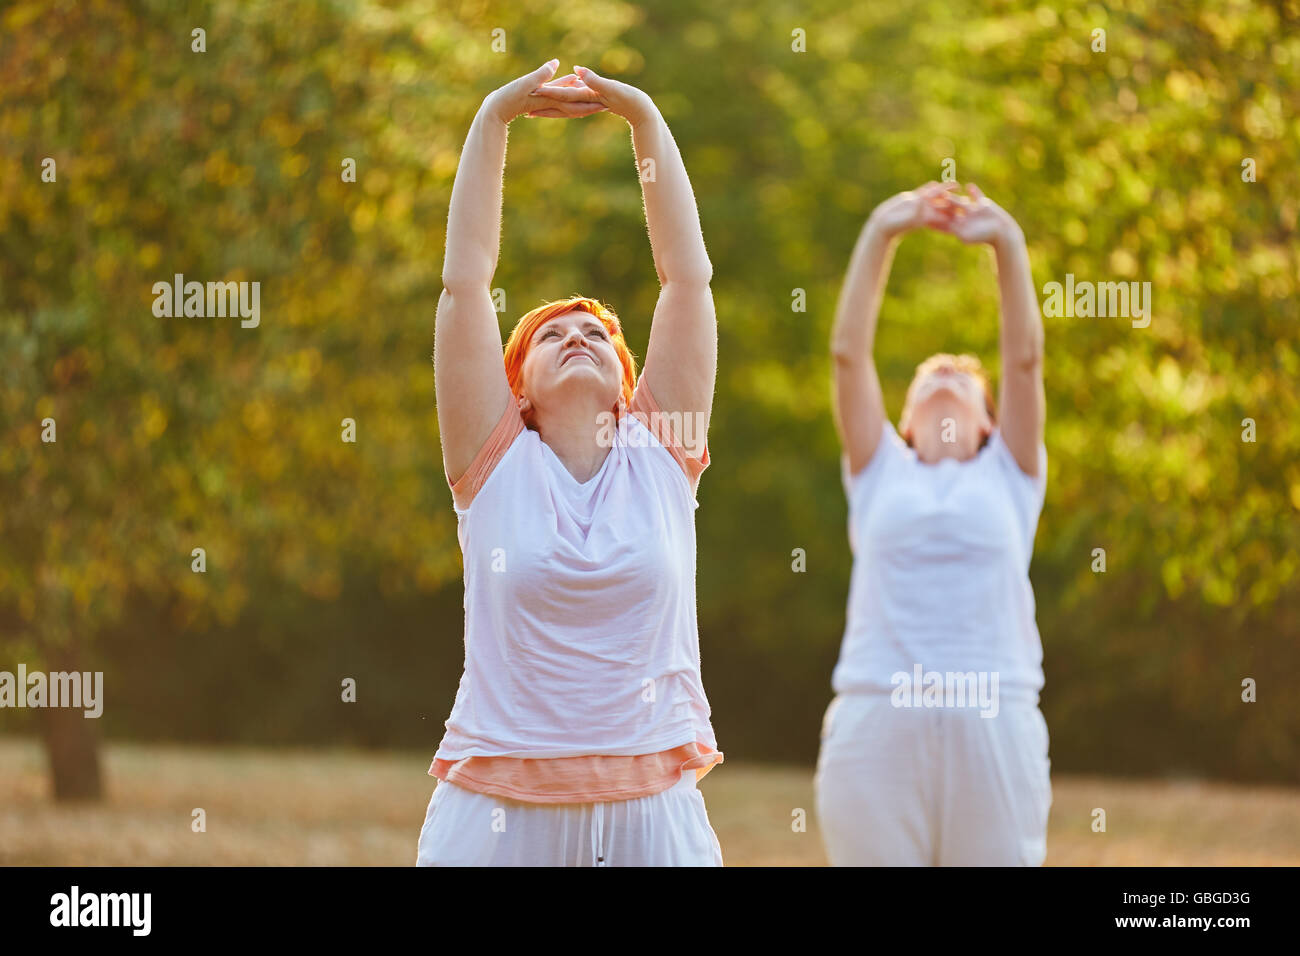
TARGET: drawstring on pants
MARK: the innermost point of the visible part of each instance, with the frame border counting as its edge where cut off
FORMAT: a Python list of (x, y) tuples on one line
[(598, 835)]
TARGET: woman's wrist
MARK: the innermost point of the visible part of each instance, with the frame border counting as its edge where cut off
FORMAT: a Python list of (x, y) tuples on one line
[(1009, 238), (877, 228), (494, 109), (642, 111)]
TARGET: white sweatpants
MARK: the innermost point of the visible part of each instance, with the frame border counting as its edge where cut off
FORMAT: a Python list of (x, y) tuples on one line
[(670, 828), (932, 786)]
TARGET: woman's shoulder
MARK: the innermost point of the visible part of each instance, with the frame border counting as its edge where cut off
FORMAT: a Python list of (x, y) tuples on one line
[(998, 449), (664, 459), (890, 451), (509, 431), (677, 435)]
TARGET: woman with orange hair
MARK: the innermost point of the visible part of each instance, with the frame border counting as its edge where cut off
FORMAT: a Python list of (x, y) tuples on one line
[(580, 727), (934, 751)]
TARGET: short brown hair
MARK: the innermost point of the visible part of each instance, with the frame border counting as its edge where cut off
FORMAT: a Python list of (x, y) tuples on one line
[(966, 363)]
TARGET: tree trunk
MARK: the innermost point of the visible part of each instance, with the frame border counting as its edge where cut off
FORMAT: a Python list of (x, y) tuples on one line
[(71, 740)]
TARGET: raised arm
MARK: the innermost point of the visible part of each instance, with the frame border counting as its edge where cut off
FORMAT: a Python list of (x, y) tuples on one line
[(469, 376), (1022, 402), (859, 401), (681, 358)]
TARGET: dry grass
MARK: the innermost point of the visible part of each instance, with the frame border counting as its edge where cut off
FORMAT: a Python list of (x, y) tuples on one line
[(326, 808)]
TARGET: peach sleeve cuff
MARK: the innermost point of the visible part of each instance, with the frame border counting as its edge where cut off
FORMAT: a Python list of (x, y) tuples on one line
[(503, 435), (647, 411)]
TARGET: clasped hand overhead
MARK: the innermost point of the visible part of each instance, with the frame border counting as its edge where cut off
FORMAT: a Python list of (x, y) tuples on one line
[(581, 93), (971, 217)]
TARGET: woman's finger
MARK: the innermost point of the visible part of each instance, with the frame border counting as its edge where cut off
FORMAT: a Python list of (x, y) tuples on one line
[(538, 76), (942, 202), (581, 109), (556, 114), (567, 80), (941, 212), (960, 201), (592, 79), (934, 186), (567, 110), (570, 94)]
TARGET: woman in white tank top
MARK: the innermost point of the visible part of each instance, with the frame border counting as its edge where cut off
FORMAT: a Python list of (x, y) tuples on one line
[(934, 751), (580, 726)]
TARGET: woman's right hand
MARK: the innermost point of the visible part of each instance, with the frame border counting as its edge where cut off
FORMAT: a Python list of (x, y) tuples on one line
[(926, 207), (519, 97)]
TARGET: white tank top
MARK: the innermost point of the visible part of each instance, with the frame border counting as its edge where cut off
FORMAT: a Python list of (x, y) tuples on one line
[(580, 625), (941, 569)]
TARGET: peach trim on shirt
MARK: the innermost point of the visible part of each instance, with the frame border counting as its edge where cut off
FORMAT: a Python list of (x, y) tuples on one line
[(596, 778), (647, 411), (503, 435)]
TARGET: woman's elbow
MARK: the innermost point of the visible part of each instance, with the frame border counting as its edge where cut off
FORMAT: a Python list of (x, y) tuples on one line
[(848, 351), (695, 271), (459, 285), (1027, 362)]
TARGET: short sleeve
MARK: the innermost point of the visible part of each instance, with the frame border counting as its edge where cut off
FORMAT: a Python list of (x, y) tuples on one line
[(503, 435), (679, 432), (1027, 493), (858, 488)]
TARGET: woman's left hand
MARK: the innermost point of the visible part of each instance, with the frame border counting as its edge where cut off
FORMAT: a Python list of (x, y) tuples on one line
[(976, 218), (619, 98)]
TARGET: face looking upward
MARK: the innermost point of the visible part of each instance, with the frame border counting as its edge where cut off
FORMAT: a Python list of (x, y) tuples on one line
[(946, 415), (571, 364)]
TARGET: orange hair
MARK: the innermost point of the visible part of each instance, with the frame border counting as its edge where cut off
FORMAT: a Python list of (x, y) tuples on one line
[(521, 339)]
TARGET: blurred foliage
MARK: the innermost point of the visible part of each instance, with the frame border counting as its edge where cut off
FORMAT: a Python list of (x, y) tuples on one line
[(328, 559)]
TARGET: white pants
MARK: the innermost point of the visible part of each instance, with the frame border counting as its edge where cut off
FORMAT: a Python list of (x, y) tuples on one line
[(932, 786), (670, 828)]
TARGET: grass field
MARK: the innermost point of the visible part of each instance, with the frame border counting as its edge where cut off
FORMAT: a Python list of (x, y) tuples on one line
[(325, 808)]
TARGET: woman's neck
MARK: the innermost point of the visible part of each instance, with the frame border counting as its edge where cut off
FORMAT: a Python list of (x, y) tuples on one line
[(580, 438), (931, 448)]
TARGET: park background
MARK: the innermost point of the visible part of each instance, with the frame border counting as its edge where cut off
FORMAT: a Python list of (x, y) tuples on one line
[(328, 560)]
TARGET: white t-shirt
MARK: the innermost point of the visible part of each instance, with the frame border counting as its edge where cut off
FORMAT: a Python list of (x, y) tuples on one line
[(941, 568), (580, 623)]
